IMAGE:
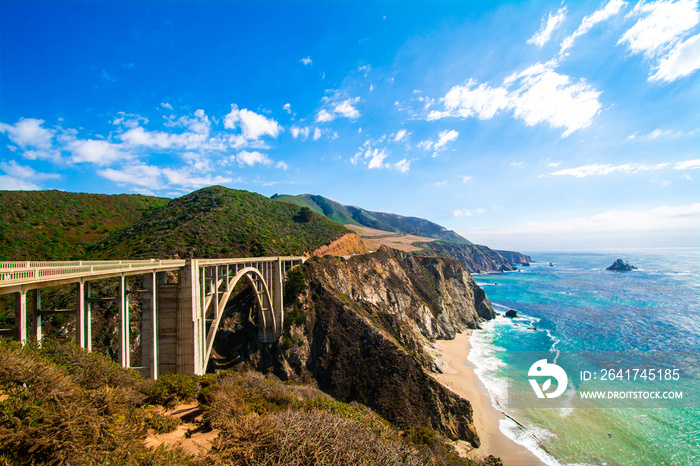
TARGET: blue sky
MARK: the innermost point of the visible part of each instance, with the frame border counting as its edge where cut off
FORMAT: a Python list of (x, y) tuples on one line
[(523, 125)]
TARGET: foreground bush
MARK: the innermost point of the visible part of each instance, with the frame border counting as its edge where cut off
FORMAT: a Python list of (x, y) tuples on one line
[(48, 416)]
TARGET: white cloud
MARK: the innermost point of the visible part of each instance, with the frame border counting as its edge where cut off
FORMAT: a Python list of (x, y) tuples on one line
[(148, 177), (338, 105), (166, 105), (661, 24), (346, 109), (542, 95), (547, 96), (252, 125), (688, 165), (95, 151), (10, 183), (317, 134), (28, 132), (402, 165), (251, 158), (324, 116), (611, 9), (129, 120), (200, 124), (302, 132), (288, 108), (281, 164), (547, 27), (306, 61), (517, 164), (162, 140), (376, 158), (681, 61), (136, 174), (400, 135), (597, 169), (21, 177), (444, 137), (465, 178), (657, 133), (661, 226), (427, 144), (465, 101), (466, 213), (183, 178)]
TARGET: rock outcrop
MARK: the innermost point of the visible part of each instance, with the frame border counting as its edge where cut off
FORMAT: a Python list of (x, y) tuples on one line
[(346, 245), (621, 266), (515, 257), (370, 320), (476, 258), (362, 330)]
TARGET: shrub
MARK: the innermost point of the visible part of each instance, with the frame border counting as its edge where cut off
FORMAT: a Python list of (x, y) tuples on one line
[(162, 424), (170, 389)]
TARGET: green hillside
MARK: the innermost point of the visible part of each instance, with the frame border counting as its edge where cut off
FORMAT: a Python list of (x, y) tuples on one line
[(379, 220), (220, 222), (55, 225)]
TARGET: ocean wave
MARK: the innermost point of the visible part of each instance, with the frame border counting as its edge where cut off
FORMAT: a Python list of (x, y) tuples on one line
[(530, 437)]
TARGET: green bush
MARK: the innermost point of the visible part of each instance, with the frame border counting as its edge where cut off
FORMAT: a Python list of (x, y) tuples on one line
[(170, 389), (162, 424)]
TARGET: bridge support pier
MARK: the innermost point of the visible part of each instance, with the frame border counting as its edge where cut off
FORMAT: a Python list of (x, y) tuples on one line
[(36, 320), (124, 356), (21, 316), (190, 322)]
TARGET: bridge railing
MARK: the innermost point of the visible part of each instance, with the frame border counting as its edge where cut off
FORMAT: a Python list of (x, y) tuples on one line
[(22, 272)]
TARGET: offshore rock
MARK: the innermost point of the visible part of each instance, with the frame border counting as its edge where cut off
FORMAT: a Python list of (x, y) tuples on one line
[(621, 266)]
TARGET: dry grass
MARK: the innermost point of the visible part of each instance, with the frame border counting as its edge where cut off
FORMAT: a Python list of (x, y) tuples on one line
[(49, 417), (63, 406)]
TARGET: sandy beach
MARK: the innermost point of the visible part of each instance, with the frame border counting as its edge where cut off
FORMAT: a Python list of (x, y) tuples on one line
[(459, 377)]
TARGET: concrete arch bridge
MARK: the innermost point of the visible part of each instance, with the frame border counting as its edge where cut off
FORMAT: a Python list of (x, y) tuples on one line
[(180, 314)]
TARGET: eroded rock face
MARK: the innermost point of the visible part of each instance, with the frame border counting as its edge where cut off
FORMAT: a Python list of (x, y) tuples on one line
[(365, 335), (621, 266), (370, 321)]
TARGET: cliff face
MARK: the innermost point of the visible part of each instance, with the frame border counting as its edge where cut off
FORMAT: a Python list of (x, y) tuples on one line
[(346, 245), (476, 258), (515, 257), (361, 330), (369, 323)]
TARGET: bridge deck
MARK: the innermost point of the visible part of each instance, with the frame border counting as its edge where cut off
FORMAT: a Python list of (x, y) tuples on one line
[(28, 275)]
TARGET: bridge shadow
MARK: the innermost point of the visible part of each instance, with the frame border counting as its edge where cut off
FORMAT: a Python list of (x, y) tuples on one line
[(236, 342)]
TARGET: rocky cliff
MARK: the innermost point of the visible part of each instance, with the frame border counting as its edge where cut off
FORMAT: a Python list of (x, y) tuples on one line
[(476, 258), (515, 257), (362, 329), (346, 245)]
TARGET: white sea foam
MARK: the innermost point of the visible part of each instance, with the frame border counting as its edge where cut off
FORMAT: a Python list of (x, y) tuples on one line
[(531, 438)]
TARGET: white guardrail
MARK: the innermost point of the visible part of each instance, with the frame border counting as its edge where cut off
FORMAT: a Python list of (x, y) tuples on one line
[(23, 272)]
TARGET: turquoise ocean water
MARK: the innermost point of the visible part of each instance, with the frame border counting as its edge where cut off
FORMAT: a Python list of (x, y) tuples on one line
[(583, 317)]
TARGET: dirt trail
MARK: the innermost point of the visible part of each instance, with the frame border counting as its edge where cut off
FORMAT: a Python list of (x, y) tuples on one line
[(192, 435)]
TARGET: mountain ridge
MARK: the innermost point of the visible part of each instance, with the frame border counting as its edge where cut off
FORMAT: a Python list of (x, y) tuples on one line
[(477, 258)]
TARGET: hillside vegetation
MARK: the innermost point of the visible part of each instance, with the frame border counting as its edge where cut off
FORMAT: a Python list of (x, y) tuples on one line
[(345, 214), (476, 258), (55, 225), (219, 222), (60, 404)]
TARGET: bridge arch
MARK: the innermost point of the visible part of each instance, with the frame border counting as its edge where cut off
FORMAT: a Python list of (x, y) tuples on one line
[(268, 325)]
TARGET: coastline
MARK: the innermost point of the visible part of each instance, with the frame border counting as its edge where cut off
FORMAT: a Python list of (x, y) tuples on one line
[(460, 378)]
